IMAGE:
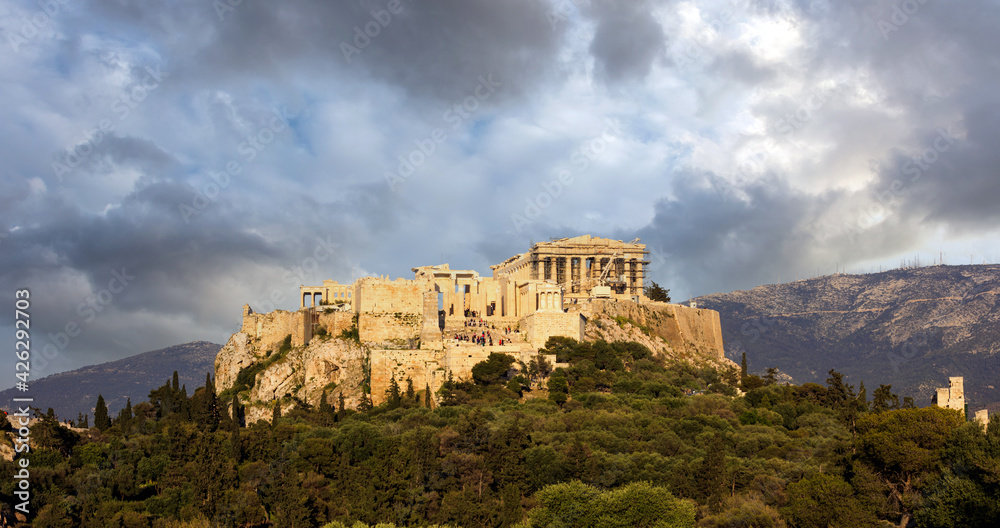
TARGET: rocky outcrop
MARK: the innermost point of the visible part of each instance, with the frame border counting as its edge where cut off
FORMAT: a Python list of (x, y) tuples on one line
[(331, 364), (672, 331)]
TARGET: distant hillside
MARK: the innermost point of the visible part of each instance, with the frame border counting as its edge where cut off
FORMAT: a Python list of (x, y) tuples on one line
[(70, 393), (912, 328)]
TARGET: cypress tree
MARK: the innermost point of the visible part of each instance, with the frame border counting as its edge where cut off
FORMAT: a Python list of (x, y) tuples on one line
[(175, 383), (410, 395), (427, 396), (101, 419), (393, 393), (341, 411), (212, 402), (743, 370), (276, 414), (324, 406), (125, 415)]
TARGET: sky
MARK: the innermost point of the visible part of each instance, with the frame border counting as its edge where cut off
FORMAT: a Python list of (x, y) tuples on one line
[(165, 163)]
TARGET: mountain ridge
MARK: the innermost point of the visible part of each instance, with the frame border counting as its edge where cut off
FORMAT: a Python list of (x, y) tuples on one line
[(911, 328), (72, 392)]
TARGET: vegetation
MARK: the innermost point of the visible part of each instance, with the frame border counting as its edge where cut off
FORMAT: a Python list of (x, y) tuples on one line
[(618, 438), (655, 292)]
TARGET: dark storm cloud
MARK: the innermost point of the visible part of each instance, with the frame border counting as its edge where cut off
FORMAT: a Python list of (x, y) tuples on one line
[(718, 236), (432, 49), (628, 40)]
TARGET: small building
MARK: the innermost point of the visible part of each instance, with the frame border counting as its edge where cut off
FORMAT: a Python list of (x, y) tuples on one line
[(952, 397)]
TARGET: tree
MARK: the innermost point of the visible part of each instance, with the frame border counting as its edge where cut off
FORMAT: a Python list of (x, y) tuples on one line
[(341, 411), (276, 414), (392, 394), (904, 449), (884, 400), (493, 370), (175, 382), (655, 292), (639, 504), (410, 394), (324, 406), (101, 419), (558, 388), (838, 392), (743, 371), (427, 396), (125, 415), (822, 501)]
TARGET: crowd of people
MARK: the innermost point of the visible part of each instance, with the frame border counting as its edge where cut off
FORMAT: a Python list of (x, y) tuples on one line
[(484, 337)]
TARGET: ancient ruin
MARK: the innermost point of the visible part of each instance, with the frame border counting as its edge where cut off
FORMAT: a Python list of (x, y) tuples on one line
[(953, 396), (443, 321)]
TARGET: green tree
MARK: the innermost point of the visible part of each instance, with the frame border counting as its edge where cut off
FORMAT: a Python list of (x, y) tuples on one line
[(883, 399), (558, 388), (904, 449), (655, 292), (125, 415), (324, 406), (410, 394), (493, 370), (637, 505), (743, 371), (101, 419), (826, 501), (392, 395)]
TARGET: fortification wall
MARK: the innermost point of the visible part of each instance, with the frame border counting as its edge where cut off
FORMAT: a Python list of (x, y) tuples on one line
[(268, 330), (335, 322), (375, 295), (431, 367), (383, 327), (421, 366), (693, 330), (540, 326)]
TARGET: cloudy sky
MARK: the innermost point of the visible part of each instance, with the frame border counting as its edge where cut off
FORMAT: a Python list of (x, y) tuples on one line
[(166, 162)]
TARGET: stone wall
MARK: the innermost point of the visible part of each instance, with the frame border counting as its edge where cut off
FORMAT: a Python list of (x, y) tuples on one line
[(375, 295), (431, 367), (540, 326), (270, 329), (386, 327), (694, 331), (335, 322)]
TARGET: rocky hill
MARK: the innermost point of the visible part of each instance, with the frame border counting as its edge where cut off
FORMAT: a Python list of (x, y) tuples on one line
[(912, 328), (74, 392)]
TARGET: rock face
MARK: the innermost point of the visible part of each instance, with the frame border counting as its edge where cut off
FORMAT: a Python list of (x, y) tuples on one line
[(277, 373), (672, 331), (333, 364), (912, 328)]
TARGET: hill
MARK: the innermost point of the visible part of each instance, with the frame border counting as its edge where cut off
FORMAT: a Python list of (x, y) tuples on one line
[(74, 392), (912, 328)]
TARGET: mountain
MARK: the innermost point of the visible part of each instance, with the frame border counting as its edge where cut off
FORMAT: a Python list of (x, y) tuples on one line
[(74, 392), (911, 328)]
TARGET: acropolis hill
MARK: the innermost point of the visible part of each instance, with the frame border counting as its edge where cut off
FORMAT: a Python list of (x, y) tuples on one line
[(424, 329)]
